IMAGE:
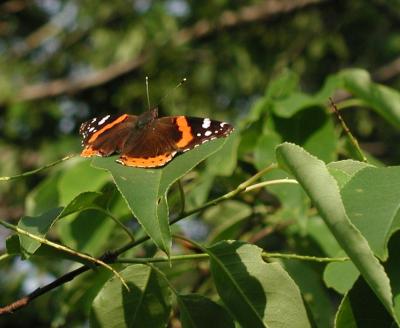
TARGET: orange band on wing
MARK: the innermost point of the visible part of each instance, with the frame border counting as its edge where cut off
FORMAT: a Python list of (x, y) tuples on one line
[(89, 152), (107, 127), (159, 160), (186, 130)]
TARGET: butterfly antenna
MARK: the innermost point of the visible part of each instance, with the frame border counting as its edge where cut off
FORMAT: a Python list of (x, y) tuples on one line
[(147, 92), (171, 91)]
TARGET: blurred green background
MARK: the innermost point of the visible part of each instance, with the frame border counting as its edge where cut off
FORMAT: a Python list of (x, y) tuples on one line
[(62, 62)]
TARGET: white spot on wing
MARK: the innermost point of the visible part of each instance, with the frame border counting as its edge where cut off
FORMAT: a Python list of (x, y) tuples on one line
[(207, 133), (206, 123), (222, 124), (199, 134), (105, 118)]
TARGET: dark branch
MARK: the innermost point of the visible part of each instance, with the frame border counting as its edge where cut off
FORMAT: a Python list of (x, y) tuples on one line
[(24, 301), (228, 19)]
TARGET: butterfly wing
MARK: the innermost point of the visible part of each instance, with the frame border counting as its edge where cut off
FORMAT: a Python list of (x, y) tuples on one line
[(161, 140), (106, 135), (196, 131)]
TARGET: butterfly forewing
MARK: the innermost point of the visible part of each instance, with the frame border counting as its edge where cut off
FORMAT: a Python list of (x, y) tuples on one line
[(105, 135), (205, 129)]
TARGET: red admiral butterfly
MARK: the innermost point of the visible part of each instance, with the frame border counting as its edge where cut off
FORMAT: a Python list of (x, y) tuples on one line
[(146, 140)]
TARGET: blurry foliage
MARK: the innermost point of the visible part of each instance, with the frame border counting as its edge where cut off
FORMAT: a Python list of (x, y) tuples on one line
[(270, 75)]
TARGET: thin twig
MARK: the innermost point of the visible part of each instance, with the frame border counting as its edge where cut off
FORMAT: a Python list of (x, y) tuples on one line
[(62, 248), (203, 256), (241, 188), (353, 140), (5, 256), (270, 183), (266, 255), (25, 174)]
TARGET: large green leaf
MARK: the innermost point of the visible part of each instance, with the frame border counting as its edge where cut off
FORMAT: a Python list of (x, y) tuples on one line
[(372, 202), (198, 311), (339, 275), (41, 224), (323, 190), (257, 294), (372, 198), (147, 304), (145, 190)]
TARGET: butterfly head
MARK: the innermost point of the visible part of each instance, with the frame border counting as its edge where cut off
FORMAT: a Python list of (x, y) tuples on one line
[(147, 117)]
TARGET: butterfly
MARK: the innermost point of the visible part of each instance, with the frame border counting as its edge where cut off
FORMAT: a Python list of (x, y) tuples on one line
[(147, 140)]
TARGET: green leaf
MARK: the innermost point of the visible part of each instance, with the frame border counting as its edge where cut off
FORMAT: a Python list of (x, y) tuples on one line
[(342, 171), (147, 304), (44, 197), (13, 245), (256, 293), (361, 308), (372, 202), (341, 276), (41, 224), (384, 100), (88, 228), (321, 235), (86, 232), (78, 295), (280, 88), (38, 226), (312, 128), (224, 161), (198, 311), (145, 190), (78, 178), (314, 294), (264, 153), (322, 188), (296, 101), (227, 218), (393, 269)]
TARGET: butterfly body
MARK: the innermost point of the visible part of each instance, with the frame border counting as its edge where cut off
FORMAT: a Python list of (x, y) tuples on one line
[(146, 140)]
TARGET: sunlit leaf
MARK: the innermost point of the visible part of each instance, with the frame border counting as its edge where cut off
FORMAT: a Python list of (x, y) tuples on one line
[(147, 304), (256, 293), (145, 189), (321, 187)]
